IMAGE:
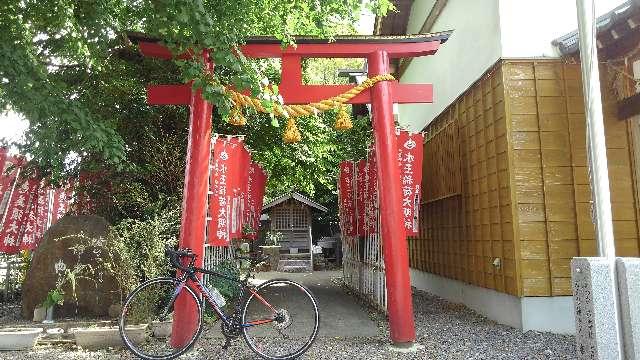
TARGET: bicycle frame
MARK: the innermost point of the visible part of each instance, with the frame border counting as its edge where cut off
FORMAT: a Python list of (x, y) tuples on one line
[(202, 289)]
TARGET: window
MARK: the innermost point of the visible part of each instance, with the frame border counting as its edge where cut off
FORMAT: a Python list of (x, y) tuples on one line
[(291, 215)]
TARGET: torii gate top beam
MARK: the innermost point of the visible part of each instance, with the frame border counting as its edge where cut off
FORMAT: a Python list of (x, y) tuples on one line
[(292, 89), (356, 46)]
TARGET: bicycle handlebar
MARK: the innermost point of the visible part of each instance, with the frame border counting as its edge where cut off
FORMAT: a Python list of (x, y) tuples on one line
[(176, 255)]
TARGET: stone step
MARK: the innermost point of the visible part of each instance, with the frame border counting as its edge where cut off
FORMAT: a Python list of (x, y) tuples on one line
[(295, 265), (287, 256), (294, 262), (295, 269)]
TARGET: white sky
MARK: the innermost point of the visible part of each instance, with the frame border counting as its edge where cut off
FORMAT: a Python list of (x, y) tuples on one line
[(603, 6), (12, 126)]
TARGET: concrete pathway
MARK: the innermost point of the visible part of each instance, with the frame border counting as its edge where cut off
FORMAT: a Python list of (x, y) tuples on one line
[(341, 316)]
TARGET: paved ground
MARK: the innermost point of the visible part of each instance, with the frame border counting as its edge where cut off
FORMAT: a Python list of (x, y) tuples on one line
[(340, 314), (350, 331)]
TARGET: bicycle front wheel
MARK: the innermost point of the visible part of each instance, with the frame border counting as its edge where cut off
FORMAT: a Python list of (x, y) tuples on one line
[(148, 319), (280, 320)]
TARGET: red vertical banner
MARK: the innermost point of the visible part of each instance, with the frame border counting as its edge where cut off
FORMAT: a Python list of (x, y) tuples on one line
[(7, 181), (246, 211), (237, 184), (28, 237), (60, 203), (371, 199), (360, 195), (256, 187), (16, 216), (44, 211), (228, 183), (37, 219), (410, 164), (4, 153), (346, 198), (241, 190), (218, 226), (83, 203)]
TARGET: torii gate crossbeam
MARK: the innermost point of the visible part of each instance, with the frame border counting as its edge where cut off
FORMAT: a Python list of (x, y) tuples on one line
[(378, 51)]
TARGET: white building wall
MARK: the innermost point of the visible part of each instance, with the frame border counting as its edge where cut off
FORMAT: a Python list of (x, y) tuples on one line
[(472, 48), (483, 32)]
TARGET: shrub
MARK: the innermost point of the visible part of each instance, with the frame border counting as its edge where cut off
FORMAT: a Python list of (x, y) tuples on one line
[(141, 243)]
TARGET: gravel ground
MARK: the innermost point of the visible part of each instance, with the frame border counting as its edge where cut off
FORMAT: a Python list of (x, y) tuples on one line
[(446, 330), (10, 313)]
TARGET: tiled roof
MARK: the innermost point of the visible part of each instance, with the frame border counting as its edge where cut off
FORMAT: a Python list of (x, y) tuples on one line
[(294, 195), (614, 25)]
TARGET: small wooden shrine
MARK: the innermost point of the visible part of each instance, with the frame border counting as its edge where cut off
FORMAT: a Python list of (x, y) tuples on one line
[(292, 215)]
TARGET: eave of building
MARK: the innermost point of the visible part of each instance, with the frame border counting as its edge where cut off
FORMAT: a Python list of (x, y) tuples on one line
[(396, 23), (617, 35), (296, 196), (618, 32)]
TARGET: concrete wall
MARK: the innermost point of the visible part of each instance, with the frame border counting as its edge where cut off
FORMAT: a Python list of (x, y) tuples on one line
[(553, 314)]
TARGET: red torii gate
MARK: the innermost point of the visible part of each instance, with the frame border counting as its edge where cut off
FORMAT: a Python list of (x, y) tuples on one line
[(378, 51)]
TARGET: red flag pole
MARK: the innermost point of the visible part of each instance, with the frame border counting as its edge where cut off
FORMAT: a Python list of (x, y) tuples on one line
[(194, 204), (396, 259)]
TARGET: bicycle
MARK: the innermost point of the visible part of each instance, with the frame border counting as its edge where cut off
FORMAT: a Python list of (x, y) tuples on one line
[(278, 319)]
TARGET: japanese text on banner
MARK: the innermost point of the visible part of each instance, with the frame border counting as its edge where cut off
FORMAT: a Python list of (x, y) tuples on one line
[(346, 198), (410, 165)]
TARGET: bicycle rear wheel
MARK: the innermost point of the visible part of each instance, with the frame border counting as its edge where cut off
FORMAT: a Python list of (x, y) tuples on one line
[(280, 320), (146, 323)]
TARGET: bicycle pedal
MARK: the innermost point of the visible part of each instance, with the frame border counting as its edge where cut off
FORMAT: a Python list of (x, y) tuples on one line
[(226, 344)]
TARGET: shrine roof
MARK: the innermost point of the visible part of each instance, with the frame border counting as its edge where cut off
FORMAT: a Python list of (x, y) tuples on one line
[(616, 31), (296, 196), (443, 36)]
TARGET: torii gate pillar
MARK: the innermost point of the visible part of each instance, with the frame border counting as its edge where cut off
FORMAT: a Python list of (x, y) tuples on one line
[(194, 203), (394, 239)]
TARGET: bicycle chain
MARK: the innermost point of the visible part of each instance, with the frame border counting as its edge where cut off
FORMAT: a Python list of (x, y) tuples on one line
[(232, 329)]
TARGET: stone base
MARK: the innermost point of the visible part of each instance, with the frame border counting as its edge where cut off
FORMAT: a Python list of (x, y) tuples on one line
[(594, 293), (550, 314), (628, 271), (405, 348)]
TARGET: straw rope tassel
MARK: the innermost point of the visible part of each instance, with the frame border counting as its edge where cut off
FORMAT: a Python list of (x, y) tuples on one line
[(343, 120), (292, 134), (236, 117)]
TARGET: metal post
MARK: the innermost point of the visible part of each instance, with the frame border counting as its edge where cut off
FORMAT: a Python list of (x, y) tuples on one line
[(596, 147), (7, 280), (194, 204), (400, 306), (310, 244)]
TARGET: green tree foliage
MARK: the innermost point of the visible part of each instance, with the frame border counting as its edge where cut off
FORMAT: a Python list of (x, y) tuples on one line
[(56, 59), (70, 69)]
